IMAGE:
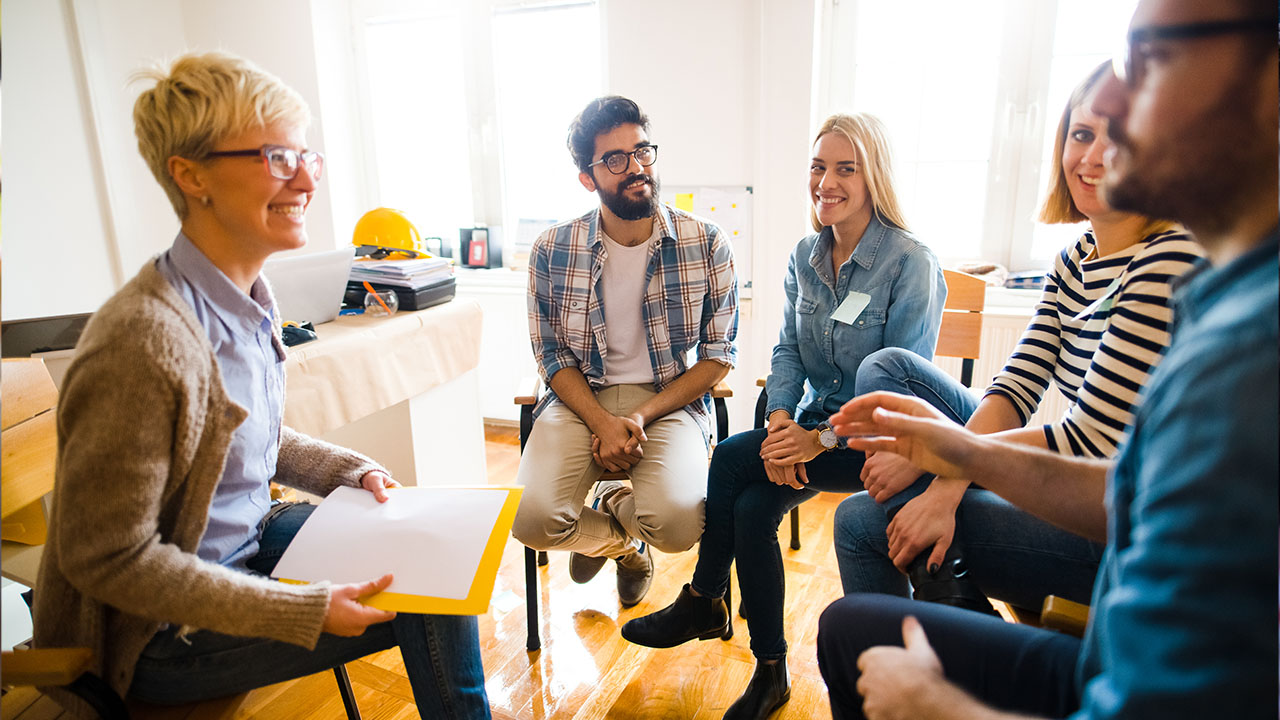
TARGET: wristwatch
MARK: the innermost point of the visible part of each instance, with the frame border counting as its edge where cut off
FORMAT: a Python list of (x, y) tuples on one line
[(827, 437)]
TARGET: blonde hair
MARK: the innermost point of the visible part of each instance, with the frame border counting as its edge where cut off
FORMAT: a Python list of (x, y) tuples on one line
[(201, 99), (1059, 208), (866, 133)]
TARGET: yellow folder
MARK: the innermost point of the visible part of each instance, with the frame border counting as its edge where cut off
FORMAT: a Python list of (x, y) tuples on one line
[(477, 599)]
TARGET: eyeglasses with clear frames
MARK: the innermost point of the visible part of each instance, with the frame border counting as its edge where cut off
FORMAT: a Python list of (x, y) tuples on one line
[(1130, 64), (282, 162), (618, 161)]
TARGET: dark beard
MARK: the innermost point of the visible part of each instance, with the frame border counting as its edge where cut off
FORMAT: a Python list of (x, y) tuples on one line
[(627, 209), (1202, 182)]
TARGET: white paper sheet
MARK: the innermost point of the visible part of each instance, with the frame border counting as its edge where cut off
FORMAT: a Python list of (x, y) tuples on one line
[(430, 538)]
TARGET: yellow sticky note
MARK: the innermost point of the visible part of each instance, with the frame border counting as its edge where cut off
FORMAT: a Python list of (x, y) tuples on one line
[(684, 201)]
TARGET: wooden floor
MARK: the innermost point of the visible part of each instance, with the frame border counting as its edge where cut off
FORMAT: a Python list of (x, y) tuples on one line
[(585, 669)]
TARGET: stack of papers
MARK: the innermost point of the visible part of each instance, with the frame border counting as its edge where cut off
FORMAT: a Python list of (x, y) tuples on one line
[(414, 274), (442, 544)]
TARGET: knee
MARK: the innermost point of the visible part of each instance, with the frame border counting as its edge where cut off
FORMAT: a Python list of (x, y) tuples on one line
[(858, 519), (884, 369), (674, 536), (734, 451), (540, 529)]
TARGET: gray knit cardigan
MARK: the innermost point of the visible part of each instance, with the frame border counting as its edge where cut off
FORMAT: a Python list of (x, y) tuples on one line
[(144, 425)]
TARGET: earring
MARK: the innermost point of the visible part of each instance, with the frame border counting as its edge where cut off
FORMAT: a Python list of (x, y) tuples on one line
[(205, 200)]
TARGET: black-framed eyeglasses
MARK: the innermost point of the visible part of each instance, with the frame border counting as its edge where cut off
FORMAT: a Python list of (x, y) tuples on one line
[(282, 162), (618, 161), (1128, 65)]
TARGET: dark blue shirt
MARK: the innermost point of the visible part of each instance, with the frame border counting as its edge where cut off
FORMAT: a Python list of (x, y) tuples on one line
[(1184, 621)]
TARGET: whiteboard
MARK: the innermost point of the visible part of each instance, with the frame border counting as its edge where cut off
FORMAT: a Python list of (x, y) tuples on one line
[(729, 207)]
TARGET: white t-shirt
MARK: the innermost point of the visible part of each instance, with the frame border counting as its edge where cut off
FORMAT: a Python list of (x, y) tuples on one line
[(626, 359)]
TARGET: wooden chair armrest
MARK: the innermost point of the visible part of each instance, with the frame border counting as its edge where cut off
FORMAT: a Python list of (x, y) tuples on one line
[(722, 390), (45, 666), (528, 391), (762, 381), (1064, 615)]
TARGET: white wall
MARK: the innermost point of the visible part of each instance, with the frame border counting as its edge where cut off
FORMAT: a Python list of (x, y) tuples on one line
[(727, 84), (54, 204), (82, 212)]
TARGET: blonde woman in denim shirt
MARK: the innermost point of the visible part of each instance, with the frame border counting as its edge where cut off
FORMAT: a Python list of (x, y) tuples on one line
[(859, 284)]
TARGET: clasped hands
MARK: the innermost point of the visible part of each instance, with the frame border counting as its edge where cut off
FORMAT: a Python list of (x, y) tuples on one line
[(616, 442), (786, 449)]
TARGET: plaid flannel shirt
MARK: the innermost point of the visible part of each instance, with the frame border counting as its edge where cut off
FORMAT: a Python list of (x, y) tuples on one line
[(690, 298)]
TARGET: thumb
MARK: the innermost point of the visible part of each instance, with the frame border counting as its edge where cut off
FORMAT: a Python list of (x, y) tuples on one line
[(913, 637), (373, 587)]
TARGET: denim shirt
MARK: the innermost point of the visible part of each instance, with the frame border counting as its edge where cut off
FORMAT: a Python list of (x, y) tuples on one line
[(816, 359), (242, 330), (1184, 608)]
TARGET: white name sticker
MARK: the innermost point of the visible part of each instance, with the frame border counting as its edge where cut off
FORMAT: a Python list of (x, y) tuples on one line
[(853, 305)]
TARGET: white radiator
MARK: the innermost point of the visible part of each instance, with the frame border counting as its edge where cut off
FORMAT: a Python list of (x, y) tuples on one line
[(1000, 335)]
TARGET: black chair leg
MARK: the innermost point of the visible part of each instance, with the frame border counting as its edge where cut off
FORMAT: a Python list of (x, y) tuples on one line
[(533, 642), (542, 558), (728, 603), (795, 528), (348, 696), (98, 694)]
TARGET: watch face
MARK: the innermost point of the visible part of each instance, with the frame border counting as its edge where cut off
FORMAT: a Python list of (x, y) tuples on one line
[(828, 438)]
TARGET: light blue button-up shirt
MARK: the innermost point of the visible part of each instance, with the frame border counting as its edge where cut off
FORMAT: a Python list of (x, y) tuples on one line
[(816, 359), (251, 357)]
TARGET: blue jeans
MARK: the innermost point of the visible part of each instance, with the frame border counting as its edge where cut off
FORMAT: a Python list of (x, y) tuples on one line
[(1011, 555), (744, 510), (441, 652), (904, 372)]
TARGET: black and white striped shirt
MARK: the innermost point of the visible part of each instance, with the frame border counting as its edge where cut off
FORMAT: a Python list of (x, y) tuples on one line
[(1098, 331)]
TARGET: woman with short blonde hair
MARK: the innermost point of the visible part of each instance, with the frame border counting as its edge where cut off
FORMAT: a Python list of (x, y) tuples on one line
[(170, 424)]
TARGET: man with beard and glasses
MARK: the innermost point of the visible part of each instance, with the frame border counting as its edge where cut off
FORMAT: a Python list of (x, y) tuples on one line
[(1183, 618), (618, 299)]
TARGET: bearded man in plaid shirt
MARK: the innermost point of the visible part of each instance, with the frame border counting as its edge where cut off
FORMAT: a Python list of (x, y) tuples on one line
[(618, 301)]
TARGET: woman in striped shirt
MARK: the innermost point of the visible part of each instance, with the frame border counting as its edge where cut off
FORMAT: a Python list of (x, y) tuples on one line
[(1098, 331)]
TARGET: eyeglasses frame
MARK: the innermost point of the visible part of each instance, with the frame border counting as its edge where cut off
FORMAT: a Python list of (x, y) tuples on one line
[(631, 155), (1123, 66), (264, 151)]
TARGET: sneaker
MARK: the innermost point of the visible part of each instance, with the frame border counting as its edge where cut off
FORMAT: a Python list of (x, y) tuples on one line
[(687, 618), (582, 568), (635, 575)]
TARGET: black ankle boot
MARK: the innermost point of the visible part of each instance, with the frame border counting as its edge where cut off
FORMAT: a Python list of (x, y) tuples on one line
[(769, 689), (950, 584), (687, 618)]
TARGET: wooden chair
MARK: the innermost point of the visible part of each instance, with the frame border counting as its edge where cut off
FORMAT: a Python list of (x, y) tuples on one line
[(28, 446), (1056, 613), (960, 336), (527, 397)]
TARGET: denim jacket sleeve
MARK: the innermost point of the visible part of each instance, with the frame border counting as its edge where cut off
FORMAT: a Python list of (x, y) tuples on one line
[(915, 309), (785, 385)]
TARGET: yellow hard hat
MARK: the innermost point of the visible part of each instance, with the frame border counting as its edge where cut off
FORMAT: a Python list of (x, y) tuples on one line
[(383, 232)]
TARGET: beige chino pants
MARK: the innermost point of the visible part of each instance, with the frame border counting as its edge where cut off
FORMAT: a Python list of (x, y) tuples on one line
[(669, 485)]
